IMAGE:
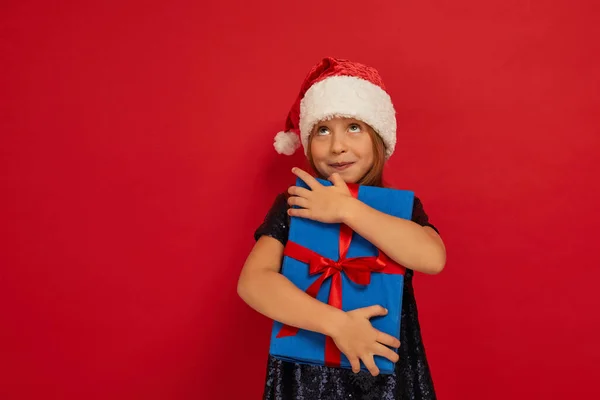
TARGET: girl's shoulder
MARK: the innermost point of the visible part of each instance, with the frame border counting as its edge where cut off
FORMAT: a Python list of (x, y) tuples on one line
[(420, 216), (276, 222)]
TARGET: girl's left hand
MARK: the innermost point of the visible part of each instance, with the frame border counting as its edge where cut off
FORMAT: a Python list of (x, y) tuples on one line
[(322, 203)]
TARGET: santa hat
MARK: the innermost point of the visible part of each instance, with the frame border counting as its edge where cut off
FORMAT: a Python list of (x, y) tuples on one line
[(339, 88)]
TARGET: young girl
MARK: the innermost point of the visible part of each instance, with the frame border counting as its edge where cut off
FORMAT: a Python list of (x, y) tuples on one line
[(346, 123)]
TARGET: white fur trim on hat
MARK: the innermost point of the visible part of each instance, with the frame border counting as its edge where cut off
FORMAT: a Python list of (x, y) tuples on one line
[(286, 143), (351, 97)]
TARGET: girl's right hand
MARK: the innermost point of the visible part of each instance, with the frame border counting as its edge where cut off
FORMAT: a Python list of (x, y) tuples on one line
[(358, 340)]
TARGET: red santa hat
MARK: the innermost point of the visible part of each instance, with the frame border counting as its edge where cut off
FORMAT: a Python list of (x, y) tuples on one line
[(339, 88)]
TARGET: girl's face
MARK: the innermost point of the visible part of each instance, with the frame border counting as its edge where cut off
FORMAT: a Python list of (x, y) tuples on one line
[(342, 145)]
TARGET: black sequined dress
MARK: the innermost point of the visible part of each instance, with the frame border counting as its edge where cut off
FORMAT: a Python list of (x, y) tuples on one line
[(411, 379)]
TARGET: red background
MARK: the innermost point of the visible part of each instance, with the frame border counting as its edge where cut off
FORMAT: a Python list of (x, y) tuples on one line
[(137, 159)]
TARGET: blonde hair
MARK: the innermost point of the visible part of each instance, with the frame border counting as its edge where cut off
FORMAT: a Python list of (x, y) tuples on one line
[(374, 177)]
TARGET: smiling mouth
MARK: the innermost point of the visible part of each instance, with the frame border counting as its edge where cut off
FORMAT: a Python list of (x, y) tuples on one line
[(341, 166)]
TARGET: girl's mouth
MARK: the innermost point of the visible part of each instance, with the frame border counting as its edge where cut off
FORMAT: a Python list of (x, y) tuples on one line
[(341, 166)]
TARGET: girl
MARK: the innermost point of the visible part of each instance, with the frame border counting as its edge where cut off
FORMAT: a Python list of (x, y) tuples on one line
[(346, 123)]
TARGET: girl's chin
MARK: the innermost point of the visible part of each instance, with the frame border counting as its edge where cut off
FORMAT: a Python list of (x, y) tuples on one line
[(347, 176)]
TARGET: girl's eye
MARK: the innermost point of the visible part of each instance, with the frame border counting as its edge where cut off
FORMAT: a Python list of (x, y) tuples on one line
[(322, 130), (354, 128)]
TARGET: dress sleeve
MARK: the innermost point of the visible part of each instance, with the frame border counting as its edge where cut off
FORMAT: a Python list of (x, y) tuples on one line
[(277, 222), (419, 216)]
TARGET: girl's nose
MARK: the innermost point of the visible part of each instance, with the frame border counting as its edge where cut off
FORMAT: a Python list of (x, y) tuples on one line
[(338, 144)]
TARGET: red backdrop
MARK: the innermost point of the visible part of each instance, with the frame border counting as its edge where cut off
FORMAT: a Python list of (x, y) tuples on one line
[(137, 159)]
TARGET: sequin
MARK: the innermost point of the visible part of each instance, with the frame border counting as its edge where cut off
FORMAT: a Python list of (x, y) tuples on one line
[(411, 379)]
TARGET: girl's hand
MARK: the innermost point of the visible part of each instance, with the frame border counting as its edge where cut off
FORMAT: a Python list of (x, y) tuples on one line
[(358, 340), (322, 203)]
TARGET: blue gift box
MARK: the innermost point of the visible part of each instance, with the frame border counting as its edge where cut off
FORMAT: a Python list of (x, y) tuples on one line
[(385, 289)]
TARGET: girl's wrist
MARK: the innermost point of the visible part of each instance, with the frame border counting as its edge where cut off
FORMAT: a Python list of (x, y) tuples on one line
[(334, 322), (350, 207)]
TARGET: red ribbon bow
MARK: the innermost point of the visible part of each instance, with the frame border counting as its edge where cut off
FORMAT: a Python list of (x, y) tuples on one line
[(357, 269)]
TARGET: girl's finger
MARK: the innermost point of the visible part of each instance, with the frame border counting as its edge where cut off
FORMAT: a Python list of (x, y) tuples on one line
[(386, 352), (373, 311), (370, 364), (355, 363), (388, 340), (299, 212), (298, 201), (299, 191), (306, 177), (337, 180)]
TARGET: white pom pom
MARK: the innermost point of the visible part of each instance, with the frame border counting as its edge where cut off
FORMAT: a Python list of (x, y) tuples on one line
[(286, 143)]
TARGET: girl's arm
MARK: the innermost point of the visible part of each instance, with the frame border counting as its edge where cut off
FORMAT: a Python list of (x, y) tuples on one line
[(406, 242), (270, 293), (411, 245)]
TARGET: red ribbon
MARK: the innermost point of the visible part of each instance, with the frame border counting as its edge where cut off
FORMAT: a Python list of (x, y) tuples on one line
[(357, 269)]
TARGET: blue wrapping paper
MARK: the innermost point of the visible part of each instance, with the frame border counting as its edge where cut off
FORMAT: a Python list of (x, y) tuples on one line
[(307, 347)]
